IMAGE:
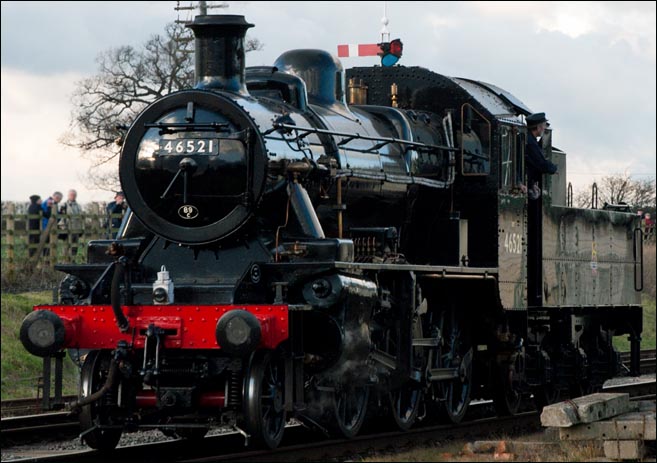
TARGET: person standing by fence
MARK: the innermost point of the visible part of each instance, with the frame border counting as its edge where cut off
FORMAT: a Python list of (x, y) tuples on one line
[(71, 221), (34, 224), (649, 227), (48, 206), (118, 206)]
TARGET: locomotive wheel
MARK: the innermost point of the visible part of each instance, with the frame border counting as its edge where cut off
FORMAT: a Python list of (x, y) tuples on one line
[(349, 410), (549, 392), (264, 413), (457, 353), (93, 376), (507, 396), (582, 383), (456, 392), (405, 403)]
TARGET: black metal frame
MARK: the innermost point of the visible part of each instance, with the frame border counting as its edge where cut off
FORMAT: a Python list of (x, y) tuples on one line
[(48, 402)]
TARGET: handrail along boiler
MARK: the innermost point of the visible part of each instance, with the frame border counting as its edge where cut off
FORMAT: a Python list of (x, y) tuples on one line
[(290, 253)]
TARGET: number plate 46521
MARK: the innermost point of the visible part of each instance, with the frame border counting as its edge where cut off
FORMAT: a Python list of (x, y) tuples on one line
[(207, 146)]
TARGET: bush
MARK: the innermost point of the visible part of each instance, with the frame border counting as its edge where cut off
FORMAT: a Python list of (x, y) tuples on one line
[(24, 276)]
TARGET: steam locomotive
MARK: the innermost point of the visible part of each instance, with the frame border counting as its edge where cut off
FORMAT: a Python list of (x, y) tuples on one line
[(304, 242)]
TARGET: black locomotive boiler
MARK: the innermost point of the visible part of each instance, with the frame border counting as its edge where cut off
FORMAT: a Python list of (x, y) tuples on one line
[(303, 242)]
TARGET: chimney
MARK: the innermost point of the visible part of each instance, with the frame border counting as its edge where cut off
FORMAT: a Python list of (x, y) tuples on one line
[(220, 52)]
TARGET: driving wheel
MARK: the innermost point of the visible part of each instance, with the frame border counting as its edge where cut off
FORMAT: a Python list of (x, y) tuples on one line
[(508, 393), (455, 353), (264, 414), (93, 376), (349, 405), (405, 400)]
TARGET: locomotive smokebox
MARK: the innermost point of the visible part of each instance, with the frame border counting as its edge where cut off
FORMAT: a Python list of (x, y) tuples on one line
[(220, 52)]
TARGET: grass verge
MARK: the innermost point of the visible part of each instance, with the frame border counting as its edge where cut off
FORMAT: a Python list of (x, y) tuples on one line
[(20, 369)]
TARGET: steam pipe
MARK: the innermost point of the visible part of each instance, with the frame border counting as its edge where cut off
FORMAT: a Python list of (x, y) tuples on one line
[(109, 382), (304, 210), (115, 295)]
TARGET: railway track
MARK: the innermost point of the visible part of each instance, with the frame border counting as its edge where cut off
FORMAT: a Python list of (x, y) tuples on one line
[(48, 427), (648, 362), (298, 444), (20, 407), (369, 443), (42, 427), (302, 444)]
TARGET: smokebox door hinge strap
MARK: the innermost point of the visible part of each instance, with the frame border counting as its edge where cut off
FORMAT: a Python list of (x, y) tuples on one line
[(190, 112)]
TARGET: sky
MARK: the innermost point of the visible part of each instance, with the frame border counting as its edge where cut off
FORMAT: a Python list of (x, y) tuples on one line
[(589, 65)]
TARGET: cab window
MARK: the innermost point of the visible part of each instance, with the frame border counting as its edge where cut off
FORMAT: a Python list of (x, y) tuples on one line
[(507, 158), (512, 153), (521, 141)]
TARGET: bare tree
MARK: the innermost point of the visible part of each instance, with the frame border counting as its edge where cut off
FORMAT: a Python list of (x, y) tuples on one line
[(618, 189), (644, 195), (128, 80)]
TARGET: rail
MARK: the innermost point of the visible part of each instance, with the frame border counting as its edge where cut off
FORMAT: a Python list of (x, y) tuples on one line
[(647, 360), (298, 443), (27, 406)]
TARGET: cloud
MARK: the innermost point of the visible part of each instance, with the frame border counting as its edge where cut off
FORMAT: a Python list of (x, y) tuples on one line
[(67, 36), (35, 113), (589, 65), (631, 22), (598, 90)]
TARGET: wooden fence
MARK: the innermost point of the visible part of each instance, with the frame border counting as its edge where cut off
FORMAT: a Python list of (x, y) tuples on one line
[(63, 240)]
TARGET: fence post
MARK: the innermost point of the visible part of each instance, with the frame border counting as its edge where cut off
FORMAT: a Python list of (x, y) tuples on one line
[(52, 255), (97, 230), (11, 226), (45, 404), (42, 241), (103, 231), (67, 242), (32, 247)]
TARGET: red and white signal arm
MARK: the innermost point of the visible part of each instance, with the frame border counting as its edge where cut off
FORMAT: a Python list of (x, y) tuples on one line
[(352, 50)]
